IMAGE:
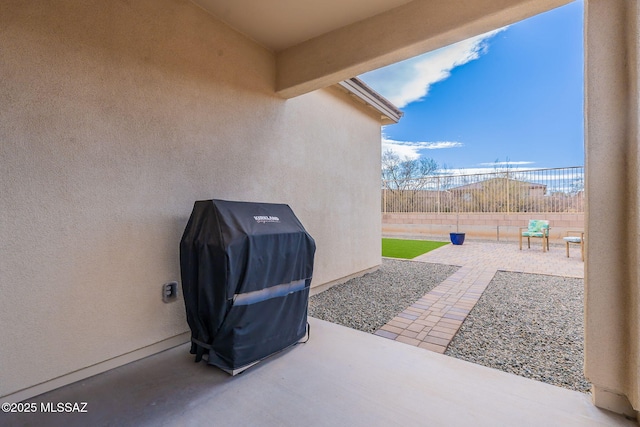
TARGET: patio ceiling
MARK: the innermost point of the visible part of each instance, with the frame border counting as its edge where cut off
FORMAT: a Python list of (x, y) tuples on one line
[(279, 24), (320, 43)]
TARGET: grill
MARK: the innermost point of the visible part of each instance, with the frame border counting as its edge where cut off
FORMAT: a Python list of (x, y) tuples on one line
[(246, 270)]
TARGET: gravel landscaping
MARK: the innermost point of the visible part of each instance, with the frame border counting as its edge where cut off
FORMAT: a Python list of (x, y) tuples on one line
[(526, 324), (366, 303), (530, 325)]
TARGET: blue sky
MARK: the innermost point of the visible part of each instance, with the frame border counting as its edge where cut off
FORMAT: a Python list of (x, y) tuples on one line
[(512, 94)]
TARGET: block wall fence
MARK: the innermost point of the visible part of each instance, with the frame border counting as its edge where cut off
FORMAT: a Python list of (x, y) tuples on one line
[(486, 226)]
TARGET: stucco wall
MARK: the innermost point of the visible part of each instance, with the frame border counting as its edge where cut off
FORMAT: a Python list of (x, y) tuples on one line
[(612, 274), (114, 118)]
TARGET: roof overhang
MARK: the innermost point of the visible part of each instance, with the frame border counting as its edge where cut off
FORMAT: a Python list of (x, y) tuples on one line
[(389, 113)]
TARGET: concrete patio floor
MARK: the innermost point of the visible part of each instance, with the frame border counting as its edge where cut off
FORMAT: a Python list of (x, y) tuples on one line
[(341, 377)]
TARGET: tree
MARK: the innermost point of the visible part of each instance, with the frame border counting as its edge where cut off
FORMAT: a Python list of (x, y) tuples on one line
[(405, 178), (402, 174)]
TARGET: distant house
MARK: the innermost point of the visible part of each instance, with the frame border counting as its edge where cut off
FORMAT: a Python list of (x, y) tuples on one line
[(488, 195), (524, 188)]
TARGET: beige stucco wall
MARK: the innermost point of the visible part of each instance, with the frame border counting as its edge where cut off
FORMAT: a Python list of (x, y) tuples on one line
[(114, 118), (612, 296)]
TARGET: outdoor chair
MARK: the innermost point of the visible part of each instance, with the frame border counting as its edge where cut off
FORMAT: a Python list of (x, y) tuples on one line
[(537, 228), (576, 237)]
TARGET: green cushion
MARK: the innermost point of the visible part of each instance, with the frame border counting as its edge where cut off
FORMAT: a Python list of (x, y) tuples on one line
[(537, 228), (529, 234), (538, 225)]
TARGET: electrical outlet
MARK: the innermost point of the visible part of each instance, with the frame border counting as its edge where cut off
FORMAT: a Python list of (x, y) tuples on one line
[(170, 291)]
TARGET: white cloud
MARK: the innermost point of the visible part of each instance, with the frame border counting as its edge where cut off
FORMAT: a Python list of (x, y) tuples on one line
[(410, 80), (438, 145), (474, 171), (411, 149), (507, 163)]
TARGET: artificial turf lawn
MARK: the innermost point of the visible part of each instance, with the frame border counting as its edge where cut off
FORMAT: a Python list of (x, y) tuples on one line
[(408, 249)]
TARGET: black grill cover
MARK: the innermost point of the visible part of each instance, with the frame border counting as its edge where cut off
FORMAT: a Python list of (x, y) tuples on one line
[(246, 271)]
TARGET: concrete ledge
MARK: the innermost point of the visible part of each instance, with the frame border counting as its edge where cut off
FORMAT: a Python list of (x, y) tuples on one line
[(323, 287), (612, 401)]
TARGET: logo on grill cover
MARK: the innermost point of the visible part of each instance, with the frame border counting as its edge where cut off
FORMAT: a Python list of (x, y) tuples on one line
[(261, 219)]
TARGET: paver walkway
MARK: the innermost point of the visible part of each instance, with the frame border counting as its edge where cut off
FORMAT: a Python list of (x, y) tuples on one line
[(433, 320)]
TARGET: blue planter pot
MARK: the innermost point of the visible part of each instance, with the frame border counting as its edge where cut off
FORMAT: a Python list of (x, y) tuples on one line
[(457, 238)]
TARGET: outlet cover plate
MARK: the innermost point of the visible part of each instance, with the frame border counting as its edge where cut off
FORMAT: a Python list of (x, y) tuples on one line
[(170, 292)]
